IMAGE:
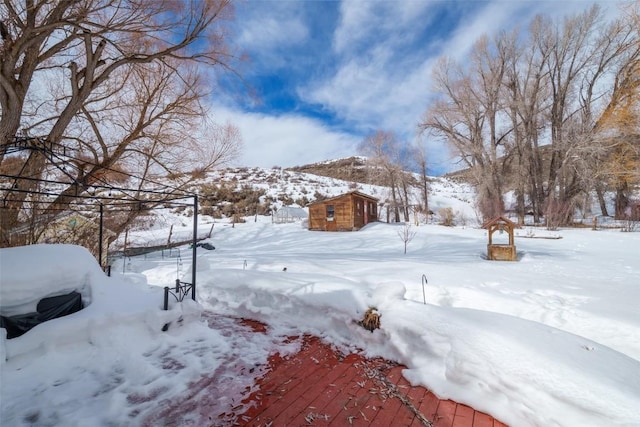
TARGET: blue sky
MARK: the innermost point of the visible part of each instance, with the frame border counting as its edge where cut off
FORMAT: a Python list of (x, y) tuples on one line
[(327, 73)]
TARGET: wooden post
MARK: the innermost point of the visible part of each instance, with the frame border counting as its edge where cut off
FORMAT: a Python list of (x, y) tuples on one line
[(170, 233)]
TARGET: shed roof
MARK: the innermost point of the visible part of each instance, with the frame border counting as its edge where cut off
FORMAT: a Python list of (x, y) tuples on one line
[(356, 193)]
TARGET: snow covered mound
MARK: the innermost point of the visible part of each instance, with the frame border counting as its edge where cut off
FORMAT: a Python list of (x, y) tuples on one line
[(30, 273), (113, 363)]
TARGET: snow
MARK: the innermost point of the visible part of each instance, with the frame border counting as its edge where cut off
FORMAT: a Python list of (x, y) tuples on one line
[(550, 340), (48, 275)]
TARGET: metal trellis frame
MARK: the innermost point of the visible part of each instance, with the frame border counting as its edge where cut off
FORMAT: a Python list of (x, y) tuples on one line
[(92, 197)]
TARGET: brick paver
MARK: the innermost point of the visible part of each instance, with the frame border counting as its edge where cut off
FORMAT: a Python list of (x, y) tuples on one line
[(319, 386)]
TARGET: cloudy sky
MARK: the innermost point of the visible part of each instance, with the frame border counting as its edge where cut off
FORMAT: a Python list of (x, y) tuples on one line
[(327, 73)]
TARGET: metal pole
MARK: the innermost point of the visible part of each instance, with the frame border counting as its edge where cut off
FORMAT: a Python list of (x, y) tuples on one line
[(195, 241), (424, 282), (101, 236), (166, 298)]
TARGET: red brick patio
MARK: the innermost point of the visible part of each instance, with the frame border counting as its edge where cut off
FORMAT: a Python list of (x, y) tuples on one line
[(319, 386)]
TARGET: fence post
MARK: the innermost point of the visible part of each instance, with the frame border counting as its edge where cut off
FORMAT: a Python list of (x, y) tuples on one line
[(100, 235), (177, 285), (194, 252), (166, 298)]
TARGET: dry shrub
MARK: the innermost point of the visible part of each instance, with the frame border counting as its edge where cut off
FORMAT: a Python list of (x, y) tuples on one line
[(238, 219), (447, 217), (371, 320), (175, 175), (198, 173), (558, 213)]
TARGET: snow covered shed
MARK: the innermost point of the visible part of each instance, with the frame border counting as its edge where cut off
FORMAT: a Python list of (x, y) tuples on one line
[(347, 212)]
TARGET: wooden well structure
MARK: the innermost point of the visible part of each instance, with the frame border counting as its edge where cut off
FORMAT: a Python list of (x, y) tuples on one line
[(501, 251)]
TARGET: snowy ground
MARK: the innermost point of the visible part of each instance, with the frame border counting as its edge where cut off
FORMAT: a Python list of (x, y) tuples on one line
[(553, 339)]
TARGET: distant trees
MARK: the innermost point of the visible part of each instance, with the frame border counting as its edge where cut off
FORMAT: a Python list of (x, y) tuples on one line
[(390, 162), (539, 115), (617, 162), (382, 149), (402, 168), (114, 84)]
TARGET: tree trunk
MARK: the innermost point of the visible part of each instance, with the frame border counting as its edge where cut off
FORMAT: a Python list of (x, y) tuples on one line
[(601, 201), (394, 197), (405, 209), (622, 201), (520, 205)]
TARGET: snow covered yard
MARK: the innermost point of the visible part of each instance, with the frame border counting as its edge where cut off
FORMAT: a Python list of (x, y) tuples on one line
[(553, 339)]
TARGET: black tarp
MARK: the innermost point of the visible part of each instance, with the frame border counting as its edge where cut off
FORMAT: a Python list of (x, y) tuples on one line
[(47, 309)]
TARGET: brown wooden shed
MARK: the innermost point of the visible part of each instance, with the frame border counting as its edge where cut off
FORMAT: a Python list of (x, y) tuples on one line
[(501, 251), (347, 212)]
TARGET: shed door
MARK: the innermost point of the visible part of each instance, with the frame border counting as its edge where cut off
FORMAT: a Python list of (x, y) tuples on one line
[(331, 218), (366, 212), (359, 219)]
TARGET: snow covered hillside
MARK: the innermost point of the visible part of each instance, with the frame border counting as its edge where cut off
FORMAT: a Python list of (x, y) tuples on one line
[(280, 188), (296, 185)]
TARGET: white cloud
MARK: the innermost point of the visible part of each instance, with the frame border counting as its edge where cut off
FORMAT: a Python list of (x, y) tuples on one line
[(362, 21), (286, 140), (495, 17), (269, 28), (371, 96), (377, 89), (357, 20), (267, 32)]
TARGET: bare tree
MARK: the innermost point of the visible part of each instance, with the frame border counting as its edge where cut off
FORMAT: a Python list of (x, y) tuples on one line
[(526, 90), (419, 154), (116, 83), (523, 97), (617, 130), (468, 117), (582, 54), (382, 148), (406, 234)]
